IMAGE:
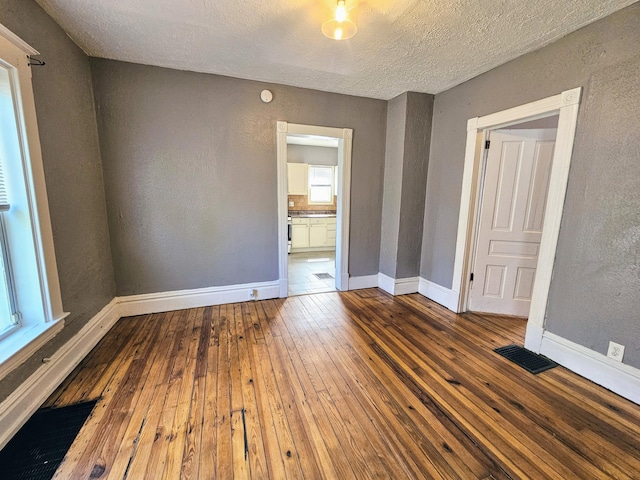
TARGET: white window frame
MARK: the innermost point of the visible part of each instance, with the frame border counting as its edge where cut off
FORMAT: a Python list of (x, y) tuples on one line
[(310, 185), (37, 287)]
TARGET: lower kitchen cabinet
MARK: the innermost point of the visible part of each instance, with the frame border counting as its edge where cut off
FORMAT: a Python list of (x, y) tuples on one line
[(299, 233), (313, 233), (318, 234)]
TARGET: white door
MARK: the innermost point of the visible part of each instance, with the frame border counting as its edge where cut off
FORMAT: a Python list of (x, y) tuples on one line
[(511, 216)]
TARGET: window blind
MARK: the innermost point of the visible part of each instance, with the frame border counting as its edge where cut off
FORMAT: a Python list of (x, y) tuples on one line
[(4, 198)]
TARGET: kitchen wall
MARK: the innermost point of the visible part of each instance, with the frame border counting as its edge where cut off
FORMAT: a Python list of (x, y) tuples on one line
[(73, 174), (594, 292), (312, 154), (190, 174)]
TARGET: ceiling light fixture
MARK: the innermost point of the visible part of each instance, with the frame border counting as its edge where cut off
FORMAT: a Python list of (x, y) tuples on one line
[(340, 27)]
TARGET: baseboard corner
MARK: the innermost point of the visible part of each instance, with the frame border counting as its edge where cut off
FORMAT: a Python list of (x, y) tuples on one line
[(444, 296)]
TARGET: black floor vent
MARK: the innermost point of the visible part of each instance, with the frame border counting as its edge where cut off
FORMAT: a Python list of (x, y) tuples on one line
[(323, 276), (37, 450), (528, 360)]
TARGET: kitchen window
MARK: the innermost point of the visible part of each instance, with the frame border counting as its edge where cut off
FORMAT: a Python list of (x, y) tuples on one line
[(30, 301), (321, 187)]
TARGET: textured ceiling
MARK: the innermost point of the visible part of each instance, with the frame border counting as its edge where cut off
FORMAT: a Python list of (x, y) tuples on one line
[(401, 45)]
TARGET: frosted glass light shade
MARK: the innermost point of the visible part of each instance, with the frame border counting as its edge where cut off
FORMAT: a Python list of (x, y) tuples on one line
[(339, 30)]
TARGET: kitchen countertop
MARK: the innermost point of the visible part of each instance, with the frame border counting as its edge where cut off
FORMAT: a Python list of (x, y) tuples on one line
[(312, 214)]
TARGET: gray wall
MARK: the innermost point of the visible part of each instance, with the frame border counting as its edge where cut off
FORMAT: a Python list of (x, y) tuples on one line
[(414, 179), (190, 174), (394, 157), (405, 175), (313, 155), (594, 294), (73, 173)]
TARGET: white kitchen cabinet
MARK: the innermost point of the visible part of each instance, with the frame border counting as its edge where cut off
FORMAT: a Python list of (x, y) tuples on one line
[(313, 234), (331, 232), (297, 178), (318, 234), (299, 233)]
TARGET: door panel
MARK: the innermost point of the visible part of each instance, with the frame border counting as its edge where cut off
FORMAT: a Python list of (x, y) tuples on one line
[(506, 186), (537, 201), (523, 249), (524, 283), (494, 281), (513, 201)]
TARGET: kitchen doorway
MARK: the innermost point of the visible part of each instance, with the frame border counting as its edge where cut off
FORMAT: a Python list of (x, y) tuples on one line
[(313, 208)]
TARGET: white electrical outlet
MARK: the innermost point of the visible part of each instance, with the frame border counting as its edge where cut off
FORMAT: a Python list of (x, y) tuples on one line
[(616, 351)]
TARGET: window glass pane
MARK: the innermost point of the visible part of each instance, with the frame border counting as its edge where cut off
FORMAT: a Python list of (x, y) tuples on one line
[(6, 129), (320, 194), (320, 175)]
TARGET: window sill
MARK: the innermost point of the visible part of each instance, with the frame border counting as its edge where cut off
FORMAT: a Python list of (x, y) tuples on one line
[(18, 347)]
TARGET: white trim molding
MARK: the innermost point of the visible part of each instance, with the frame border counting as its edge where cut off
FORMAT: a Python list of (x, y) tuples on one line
[(22, 344), (398, 286), (16, 409), (439, 294), (200, 297), (367, 281), (566, 106), (17, 41), (617, 377)]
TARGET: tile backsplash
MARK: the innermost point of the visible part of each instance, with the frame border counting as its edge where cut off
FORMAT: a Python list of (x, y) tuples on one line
[(300, 203)]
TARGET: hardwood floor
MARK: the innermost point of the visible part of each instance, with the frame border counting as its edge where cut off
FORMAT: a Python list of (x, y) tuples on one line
[(337, 385)]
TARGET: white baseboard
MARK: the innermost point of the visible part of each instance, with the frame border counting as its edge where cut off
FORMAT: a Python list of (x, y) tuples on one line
[(358, 283), (405, 286), (386, 283), (439, 294), (617, 377), (16, 409), (201, 297), (398, 286)]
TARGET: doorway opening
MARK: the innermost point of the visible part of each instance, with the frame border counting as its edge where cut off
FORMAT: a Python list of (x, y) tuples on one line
[(312, 191), (314, 166), (479, 130)]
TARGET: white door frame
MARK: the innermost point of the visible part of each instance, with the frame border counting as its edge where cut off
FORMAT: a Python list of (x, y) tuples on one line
[(344, 136), (566, 106)]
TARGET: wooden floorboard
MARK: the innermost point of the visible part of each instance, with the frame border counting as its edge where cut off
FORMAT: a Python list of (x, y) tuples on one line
[(337, 385)]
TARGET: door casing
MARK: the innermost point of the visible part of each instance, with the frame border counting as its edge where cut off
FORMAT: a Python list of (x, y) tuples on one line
[(565, 105)]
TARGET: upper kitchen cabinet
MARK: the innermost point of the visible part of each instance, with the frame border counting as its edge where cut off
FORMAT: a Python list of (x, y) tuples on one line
[(298, 178)]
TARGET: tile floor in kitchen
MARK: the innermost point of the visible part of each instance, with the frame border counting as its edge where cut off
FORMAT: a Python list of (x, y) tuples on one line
[(304, 266)]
